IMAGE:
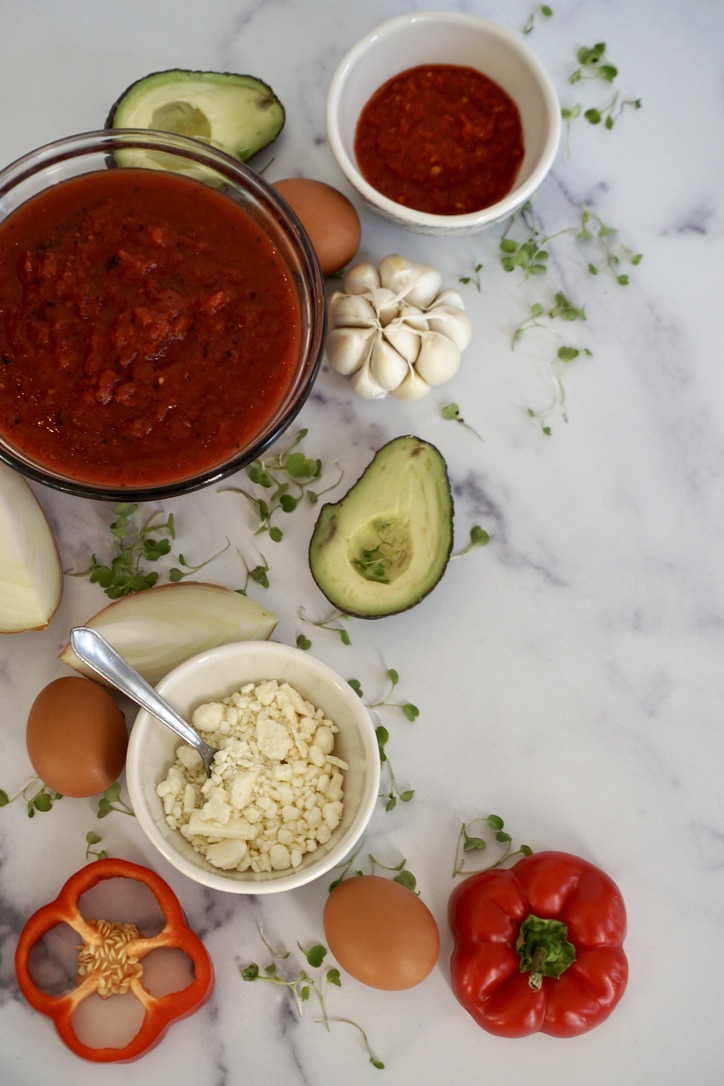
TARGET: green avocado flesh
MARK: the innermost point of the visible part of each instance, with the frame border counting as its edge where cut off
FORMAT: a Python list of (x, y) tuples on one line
[(236, 113), (386, 543)]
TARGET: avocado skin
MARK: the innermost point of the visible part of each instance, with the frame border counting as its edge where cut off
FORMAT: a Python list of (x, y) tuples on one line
[(190, 75), (405, 466)]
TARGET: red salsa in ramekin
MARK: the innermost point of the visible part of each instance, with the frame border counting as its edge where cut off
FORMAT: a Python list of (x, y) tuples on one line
[(440, 138), (150, 328)]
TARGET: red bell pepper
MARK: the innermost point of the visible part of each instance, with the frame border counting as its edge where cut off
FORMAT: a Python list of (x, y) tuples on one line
[(110, 961), (538, 946)]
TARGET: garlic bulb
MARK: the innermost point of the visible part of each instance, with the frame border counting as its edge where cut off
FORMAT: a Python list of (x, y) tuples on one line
[(392, 330)]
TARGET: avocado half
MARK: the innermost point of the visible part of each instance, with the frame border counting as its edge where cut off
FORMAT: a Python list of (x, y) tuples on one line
[(237, 113), (385, 545)]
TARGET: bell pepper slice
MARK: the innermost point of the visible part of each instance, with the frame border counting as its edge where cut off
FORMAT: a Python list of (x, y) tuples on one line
[(110, 961), (538, 946)]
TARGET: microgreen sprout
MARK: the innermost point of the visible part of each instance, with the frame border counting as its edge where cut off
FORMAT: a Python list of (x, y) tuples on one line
[(407, 708), (36, 795), (451, 412), (540, 9), (135, 541), (393, 793), (401, 873), (288, 478), (303, 986), (531, 253), (608, 113), (592, 229), (470, 840), (411, 712), (531, 256), (92, 839), (177, 574), (330, 624), (564, 356), (473, 278), (561, 309), (259, 574), (478, 538), (593, 64), (111, 801), (374, 562)]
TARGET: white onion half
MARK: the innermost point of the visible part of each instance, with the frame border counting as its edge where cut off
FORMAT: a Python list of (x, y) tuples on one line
[(162, 626), (31, 574)]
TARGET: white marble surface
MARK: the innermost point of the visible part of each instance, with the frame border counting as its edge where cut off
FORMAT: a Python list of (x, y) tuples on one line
[(569, 677)]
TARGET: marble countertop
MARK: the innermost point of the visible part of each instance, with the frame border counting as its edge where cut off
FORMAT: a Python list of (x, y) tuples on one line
[(569, 675)]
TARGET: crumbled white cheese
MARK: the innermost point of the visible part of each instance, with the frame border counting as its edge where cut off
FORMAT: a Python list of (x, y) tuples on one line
[(276, 789)]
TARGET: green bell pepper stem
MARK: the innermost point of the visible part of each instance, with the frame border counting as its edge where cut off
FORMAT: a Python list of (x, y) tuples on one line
[(544, 949)]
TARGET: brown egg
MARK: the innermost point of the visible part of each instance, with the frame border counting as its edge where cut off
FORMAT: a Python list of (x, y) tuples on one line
[(76, 737), (329, 218), (380, 932)]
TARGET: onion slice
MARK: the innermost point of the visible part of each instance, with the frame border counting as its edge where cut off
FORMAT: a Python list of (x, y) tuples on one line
[(31, 574), (162, 626)]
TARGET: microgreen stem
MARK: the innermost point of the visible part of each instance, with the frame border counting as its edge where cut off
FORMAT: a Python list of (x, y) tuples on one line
[(330, 624), (451, 411), (259, 574), (111, 801), (401, 872), (473, 278), (478, 538), (540, 9), (303, 985), (287, 478), (469, 841), (35, 794)]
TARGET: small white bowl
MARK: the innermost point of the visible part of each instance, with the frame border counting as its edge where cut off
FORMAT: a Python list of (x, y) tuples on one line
[(215, 674), (436, 37)]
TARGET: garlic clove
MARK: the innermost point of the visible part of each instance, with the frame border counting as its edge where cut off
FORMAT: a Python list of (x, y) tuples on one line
[(413, 387), (387, 368), (350, 310), (348, 348), (386, 304), (451, 322), (416, 283), (365, 386), (362, 279), (448, 297), (404, 339), (438, 360)]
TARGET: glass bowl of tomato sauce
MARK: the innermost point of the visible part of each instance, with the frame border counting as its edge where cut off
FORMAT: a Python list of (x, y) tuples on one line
[(163, 315), (444, 123)]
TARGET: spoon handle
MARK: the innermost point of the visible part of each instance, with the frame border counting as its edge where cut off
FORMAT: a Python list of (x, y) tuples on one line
[(93, 649)]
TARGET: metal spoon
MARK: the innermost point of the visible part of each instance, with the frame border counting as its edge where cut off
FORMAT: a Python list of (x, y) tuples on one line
[(93, 649)]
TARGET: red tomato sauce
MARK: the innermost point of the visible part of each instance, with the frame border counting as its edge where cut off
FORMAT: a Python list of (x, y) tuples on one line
[(442, 139), (149, 328)]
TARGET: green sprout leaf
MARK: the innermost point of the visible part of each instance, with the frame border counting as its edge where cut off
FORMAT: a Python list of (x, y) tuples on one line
[(540, 9), (474, 278), (289, 477), (451, 412), (471, 840), (331, 623), (303, 987), (111, 801), (36, 796)]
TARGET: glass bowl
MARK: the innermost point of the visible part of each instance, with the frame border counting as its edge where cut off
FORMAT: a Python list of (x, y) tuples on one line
[(134, 470)]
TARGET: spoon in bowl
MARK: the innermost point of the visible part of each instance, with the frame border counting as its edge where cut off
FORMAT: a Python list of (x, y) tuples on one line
[(93, 649)]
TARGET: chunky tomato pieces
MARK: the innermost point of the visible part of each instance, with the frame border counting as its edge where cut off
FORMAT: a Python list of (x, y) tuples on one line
[(149, 330)]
